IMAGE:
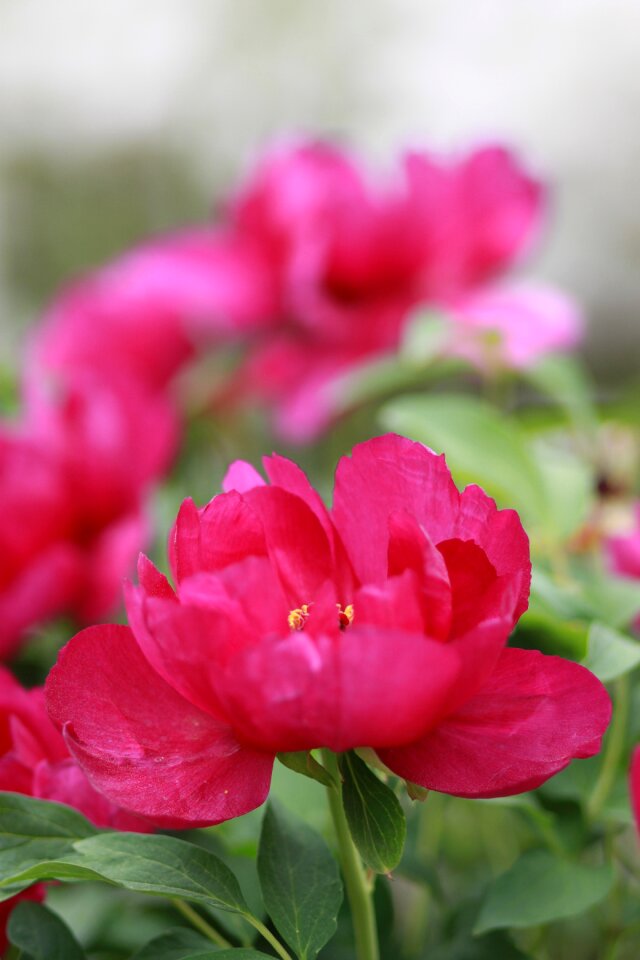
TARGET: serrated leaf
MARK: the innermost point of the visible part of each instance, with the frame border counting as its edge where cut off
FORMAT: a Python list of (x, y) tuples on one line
[(540, 888), (300, 881), (41, 934), (302, 762), (610, 654), (376, 819)]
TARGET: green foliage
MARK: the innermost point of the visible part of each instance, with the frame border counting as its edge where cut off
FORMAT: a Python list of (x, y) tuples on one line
[(303, 762), (540, 888), (41, 934), (376, 821), (300, 881), (185, 944)]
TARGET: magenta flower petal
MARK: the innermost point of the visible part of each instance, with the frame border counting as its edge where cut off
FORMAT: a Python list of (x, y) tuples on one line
[(381, 477), (366, 687), (143, 745), (528, 721)]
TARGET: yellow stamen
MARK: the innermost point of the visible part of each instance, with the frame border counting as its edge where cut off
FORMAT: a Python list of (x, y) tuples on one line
[(298, 617), (345, 617)]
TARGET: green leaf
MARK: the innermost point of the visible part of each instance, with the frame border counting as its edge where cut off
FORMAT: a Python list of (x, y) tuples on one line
[(33, 831), (562, 379), (174, 945), (42, 840), (540, 888), (563, 638), (41, 934), (425, 338), (163, 866), (300, 881), (569, 485), (610, 654), (185, 944), (376, 819), (303, 762), (481, 446)]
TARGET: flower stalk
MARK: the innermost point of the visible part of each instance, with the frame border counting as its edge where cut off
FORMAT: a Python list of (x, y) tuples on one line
[(359, 890)]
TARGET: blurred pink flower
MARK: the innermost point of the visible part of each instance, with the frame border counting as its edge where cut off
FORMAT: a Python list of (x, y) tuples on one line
[(512, 325), (74, 477), (144, 315), (623, 552), (352, 259)]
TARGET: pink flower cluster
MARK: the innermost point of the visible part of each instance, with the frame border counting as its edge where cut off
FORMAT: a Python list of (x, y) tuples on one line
[(314, 270)]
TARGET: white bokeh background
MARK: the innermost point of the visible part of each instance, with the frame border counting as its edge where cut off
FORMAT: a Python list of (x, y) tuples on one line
[(213, 80)]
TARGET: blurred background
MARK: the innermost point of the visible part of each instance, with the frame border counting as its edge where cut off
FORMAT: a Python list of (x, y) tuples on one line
[(121, 119)]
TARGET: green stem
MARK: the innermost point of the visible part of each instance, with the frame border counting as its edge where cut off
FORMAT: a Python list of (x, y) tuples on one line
[(613, 751), (268, 936), (358, 890), (200, 923)]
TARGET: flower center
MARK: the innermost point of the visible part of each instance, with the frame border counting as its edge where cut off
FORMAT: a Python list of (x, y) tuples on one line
[(299, 616)]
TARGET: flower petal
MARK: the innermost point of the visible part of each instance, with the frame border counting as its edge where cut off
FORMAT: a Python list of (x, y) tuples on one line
[(529, 720), (383, 476), (142, 744), (364, 687)]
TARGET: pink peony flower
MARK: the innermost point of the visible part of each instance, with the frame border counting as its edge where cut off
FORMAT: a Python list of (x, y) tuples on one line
[(623, 553), (381, 623), (34, 759), (352, 260), (143, 316), (74, 475), (512, 326)]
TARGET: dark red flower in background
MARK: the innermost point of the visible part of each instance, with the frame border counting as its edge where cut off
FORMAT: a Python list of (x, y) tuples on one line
[(381, 623)]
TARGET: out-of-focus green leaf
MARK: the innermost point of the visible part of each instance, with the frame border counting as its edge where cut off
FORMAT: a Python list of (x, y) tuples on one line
[(376, 819), (614, 600), (300, 881), (481, 446), (539, 631), (540, 888), (569, 486), (563, 380), (610, 654), (185, 944), (41, 934), (424, 338), (492, 946), (548, 597), (174, 945)]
